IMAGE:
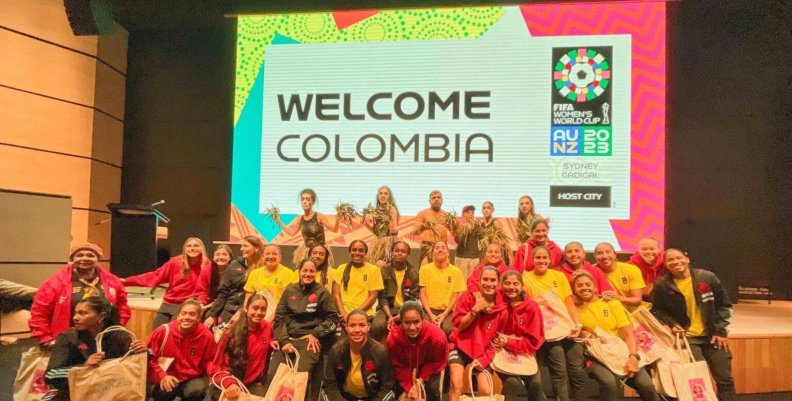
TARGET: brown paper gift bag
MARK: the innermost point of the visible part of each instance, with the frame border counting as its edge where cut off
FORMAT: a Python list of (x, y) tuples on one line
[(244, 395), (288, 384), (29, 383)]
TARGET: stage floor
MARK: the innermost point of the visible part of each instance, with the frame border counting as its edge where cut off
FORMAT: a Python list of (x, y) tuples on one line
[(755, 318)]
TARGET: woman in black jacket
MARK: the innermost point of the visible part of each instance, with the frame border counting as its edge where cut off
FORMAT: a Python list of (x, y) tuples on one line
[(357, 367), (400, 279), (230, 292), (305, 321)]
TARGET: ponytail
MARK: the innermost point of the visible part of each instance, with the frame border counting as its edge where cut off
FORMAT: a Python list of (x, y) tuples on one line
[(348, 268)]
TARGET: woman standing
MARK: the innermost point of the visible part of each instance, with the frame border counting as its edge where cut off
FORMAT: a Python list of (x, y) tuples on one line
[(243, 352), (55, 301), (400, 280), (611, 317), (521, 333), (77, 346), (230, 293), (357, 367), (563, 357), (311, 225), (383, 221), (477, 319), (525, 218), (192, 347), (540, 231), (182, 273), (418, 353), (441, 284), (494, 231), (305, 321), (356, 283)]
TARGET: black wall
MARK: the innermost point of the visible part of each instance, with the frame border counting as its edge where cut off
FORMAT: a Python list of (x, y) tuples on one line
[(729, 169)]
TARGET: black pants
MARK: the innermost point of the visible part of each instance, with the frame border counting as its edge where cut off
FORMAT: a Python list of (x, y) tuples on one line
[(719, 362), (432, 389), (512, 387), (165, 314), (379, 326), (447, 324), (565, 360), (256, 388), (610, 388), (190, 390)]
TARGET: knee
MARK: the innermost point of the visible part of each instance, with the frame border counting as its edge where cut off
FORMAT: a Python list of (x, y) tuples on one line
[(456, 382)]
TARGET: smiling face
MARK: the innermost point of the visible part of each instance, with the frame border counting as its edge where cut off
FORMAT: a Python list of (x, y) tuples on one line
[(606, 257), (306, 201), (383, 195), (248, 250), (85, 260), (539, 233), (440, 251), (494, 255), (541, 259), (512, 286), (308, 273), (188, 317), (272, 257), (677, 263), (412, 323), (487, 209), (574, 254), (192, 248), (584, 288), (256, 310), (85, 317), (488, 283), (648, 249), (221, 257), (357, 253), (357, 328), (526, 205)]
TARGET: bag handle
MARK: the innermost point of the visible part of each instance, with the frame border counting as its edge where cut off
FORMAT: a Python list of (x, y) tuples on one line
[(230, 376), (293, 365), (164, 339), (687, 345), (488, 375), (100, 337)]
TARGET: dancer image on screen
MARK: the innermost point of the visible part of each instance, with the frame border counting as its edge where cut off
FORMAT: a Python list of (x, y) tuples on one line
[(401, 282), (441, 284), (540, 232), (358, 368), (270, 280), (492, 257), (76, 346), (564, 357), (525, 218), (432, 225), (311, 225), (305, 321), (575, 260), (522, 333), (625, 279), (231, 292), (192, 347), (649, 258), (357, 283), (610, 316), (243, 351), (494, 231), (477, 319), (383, 221), (183, 274), (468, 234), (324, 272), (694, 303), (418, 352), (79, 279)]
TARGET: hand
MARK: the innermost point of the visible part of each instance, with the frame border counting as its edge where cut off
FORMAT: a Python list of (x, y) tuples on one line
[(392, 322), (313, 344), (575, 332), (500, 341), (342, 317), (275, 345), (439, 318), (632, 366), (232, 391), (609, 295), (287, 348), (720, 343), (432, 317), (677, 329), (209, 322), (168, 383), (481, 303), (137, 347), (94, 359), (476, 364), (47, 346)]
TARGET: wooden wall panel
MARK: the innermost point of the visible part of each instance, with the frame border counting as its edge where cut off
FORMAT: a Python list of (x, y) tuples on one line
[(42, 123), (45, 19), (30, 274), (79, 229), (35, 171), (105, 185), (99, 231), (42, 68), (108, 139), (112, 49), (760, 364), (110, 91)]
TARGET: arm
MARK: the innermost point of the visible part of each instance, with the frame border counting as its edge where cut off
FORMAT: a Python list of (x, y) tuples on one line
[(425, 303), (155, 373), (370, 300), (465, 311), (202, 287), (532, 336), (394, 221), (338, 301), (451, 303), (328, 325), (292, 228), (57, 372), (325, 220), (387, 377), (635, 298), (723, 309), (223, 291), (123, 304), (401, 367), (152, 278), (626, 333), (41, 312), (282, 320), (659, 306), (418, 226), (435, 362)]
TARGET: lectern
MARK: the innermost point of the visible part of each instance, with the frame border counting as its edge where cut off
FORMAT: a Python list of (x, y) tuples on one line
[(134, 238)]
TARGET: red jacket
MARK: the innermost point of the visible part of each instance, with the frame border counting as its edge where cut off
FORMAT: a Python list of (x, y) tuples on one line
[(523, 259), (180, 288), (193, 352), (258, 352), (429, 354), (476, 339), (600, 279), (51, 313), (475, 275), (525, 322), (650, 273)]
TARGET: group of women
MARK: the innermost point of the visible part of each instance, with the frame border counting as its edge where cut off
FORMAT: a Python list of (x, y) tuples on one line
[(362, 331)]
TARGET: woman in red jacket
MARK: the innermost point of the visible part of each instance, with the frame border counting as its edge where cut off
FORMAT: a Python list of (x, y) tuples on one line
[(54, 302), (521, 333), (418, 352), (243, 352), (523, 259), (183, 274), (477, 319), (192, 347)]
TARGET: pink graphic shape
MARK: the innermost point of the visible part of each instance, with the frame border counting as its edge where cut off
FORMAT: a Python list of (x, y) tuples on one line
[(344, 19), (645, 22)]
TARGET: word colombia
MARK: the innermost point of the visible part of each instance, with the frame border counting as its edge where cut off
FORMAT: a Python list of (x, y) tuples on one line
[(385, 106)]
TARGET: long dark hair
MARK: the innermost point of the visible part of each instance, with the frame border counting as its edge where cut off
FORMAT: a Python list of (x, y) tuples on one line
[(238, 344), (321, 267), (391, 199), (101, 305), (348, 267), (514, 273)]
